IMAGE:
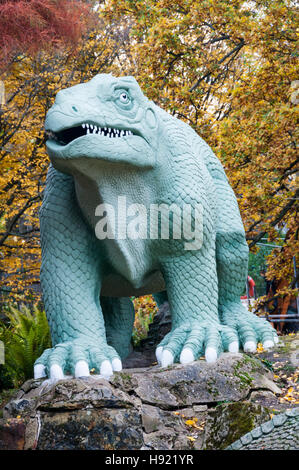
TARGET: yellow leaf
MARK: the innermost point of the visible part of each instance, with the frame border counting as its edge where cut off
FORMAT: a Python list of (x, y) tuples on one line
[(190, 422)]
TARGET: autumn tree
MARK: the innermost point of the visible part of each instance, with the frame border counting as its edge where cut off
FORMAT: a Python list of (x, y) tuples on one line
[(229, 70), (31, 84), (32, 25)]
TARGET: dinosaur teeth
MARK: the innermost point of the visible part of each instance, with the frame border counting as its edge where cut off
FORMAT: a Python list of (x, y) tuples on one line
[(104, 131), (65, 136)]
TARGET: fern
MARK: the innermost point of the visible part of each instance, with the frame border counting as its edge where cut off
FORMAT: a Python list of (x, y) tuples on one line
[(26, 337)]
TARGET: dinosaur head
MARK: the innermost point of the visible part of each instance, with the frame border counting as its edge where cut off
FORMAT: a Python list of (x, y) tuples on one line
[(107, 118)]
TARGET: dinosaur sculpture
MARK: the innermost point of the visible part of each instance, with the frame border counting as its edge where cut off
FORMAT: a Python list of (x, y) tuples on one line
[(111, 148), (279, 433)]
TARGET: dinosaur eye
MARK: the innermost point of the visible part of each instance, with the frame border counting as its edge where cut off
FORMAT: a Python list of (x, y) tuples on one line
[(124, 97)]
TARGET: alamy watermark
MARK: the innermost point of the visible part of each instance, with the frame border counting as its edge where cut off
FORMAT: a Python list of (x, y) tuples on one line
[(158, 221)]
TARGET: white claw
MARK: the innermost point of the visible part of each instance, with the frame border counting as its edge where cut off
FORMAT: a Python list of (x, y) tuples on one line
[(56, 372), (186, 356), (233, 347), (167, 358), (268, 344), (39, 371), (82, 369), (211, 354), (249, 346), (106, 369), (116, 364), (159, 352)]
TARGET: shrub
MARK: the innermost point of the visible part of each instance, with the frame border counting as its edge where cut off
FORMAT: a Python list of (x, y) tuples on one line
[(145, 310), (25, 338)]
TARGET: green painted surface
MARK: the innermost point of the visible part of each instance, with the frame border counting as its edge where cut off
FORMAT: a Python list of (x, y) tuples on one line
[(149, 157)]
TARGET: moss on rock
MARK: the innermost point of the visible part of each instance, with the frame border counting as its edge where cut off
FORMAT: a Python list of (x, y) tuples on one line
[(229, 421)]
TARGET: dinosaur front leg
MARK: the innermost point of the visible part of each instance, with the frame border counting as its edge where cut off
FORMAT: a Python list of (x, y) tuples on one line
[(232, 272), (71, 281), (191, 283), (232, 262)]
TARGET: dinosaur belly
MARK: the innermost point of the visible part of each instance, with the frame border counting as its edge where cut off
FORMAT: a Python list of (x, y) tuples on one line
[(105, 197)]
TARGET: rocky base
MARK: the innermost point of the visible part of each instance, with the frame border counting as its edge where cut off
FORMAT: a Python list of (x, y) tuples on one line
[(196, 406)]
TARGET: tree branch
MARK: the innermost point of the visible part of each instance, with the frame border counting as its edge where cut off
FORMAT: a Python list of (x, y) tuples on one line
[(278, 218), (235, 51)]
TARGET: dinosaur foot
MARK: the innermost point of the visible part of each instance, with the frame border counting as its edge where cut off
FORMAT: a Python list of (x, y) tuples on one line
[(188, 342), (250, 328), (77, 357)]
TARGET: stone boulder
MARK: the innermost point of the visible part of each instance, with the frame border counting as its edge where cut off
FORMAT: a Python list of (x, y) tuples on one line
[(196, 406)]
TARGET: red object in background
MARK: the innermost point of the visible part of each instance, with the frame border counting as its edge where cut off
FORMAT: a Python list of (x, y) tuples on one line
[(251, 285)]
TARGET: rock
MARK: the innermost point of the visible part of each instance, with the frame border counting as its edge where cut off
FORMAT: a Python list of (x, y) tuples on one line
[(264, 398), (265, 383), (84, 429), (158, 328), (230, 378), (229, 421), (198, 405), (12, 434), (144, 354)]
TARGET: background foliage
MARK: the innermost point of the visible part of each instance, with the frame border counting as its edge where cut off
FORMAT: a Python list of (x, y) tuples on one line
[(145, 310), (25, 337)]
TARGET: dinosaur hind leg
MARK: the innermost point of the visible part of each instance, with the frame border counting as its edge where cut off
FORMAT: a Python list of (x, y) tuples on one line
[(160, 298), (119, 317)]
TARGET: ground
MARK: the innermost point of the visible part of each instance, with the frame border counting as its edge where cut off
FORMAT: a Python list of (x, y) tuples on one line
[(283, 361)]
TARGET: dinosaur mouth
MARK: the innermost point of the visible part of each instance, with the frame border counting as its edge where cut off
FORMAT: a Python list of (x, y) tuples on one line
[(66, 136)]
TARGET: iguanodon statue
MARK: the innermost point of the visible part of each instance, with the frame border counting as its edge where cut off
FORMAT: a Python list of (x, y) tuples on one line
[(111, 147)]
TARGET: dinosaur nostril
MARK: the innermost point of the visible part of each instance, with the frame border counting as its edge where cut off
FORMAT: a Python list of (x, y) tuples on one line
[(75, 109)]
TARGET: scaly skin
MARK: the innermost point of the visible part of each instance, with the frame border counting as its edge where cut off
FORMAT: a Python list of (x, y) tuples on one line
[(161, 160)]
